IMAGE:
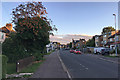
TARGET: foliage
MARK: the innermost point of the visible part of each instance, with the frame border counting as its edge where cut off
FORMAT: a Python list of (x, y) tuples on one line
[(13, 48), (30, 9), (107, 29), (4, 65), (32, 68), (32, 32), (32, 27), (70, 45), (11, 68), (91, 42), (112, 51), (118, 50)]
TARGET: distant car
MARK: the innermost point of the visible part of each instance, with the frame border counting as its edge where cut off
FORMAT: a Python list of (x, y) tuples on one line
[(71, 50), (67, 49), (77, 51)]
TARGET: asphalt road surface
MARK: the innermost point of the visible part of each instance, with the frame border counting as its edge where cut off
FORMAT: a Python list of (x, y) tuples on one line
[(88, 66)]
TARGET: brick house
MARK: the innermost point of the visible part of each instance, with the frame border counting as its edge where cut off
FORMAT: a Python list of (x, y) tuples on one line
[(78, 43)]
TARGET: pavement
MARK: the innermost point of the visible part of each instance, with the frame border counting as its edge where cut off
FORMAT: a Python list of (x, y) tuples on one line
[(51, 68)]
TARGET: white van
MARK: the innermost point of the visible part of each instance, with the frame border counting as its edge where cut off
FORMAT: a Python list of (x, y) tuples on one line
[(101, 50)]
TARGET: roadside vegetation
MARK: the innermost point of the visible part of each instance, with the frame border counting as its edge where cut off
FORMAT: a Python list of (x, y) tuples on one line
[(32, 30)]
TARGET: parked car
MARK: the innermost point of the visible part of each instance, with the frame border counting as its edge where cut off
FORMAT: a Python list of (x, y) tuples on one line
[(71, 50), (77, 51), (67, 49), (101, 50)]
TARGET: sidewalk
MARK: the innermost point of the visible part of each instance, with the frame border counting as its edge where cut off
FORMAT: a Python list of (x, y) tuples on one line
[(51, 68)]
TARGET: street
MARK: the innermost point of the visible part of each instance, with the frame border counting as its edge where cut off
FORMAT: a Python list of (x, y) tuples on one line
[(88, 66)]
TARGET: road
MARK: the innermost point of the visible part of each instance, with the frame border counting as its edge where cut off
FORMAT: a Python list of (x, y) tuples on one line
[(88, 66)]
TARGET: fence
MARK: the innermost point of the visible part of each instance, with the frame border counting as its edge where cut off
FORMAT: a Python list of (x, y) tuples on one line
[(24, 63)]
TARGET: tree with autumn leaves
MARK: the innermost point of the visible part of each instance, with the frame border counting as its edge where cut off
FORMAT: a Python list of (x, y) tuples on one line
[(32, 27)]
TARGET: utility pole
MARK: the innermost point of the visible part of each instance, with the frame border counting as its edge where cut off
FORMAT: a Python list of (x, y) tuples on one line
[(115, 35)]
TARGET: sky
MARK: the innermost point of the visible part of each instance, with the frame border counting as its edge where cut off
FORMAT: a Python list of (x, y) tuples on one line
[(85, 18)]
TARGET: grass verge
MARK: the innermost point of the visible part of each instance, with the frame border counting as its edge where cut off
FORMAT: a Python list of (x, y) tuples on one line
[(49, 52), (11, 68), (32, 68)]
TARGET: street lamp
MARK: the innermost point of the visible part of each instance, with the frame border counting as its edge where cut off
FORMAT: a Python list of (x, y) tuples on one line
[(115, 35)]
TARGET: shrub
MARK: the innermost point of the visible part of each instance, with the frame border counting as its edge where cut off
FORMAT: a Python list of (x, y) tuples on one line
[(112, 51), (38, 56), (4, 65), (118, 51)]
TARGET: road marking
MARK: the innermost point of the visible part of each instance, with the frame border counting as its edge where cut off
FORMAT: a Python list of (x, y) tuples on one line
[(64, 67), (108, 60), (84, 67)]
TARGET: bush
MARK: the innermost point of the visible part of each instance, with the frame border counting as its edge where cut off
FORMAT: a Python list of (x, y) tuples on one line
[(13, 49), (112, 51), (38, 56), (118, 51), (4, 65)]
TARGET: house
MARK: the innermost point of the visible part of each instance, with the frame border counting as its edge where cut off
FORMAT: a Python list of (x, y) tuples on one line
[(78, 43), (106, 40), (2, 37), (7, 29), (112, 43), (52, 46), (98, 40)]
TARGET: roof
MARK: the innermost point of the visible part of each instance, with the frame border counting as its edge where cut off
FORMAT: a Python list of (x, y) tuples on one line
[(112, 36), (7, 28)]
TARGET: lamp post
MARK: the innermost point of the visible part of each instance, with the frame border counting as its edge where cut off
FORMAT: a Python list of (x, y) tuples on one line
[(115, 35)]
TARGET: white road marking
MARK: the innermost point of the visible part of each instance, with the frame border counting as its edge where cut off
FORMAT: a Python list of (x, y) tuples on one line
[(64, 67), (108, 60), (84, 67)]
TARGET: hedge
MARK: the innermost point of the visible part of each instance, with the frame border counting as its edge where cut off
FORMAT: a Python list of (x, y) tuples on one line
[(4, 65)]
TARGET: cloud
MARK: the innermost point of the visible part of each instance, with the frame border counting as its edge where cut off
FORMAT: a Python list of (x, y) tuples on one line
[(67, 38)]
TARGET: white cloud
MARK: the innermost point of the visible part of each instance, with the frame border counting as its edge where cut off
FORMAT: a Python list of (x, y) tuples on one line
[(67, 38)]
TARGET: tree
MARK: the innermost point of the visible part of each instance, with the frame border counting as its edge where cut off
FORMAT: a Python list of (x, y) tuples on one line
[(70, 45), (32, 26), (107, 29), (32, 31), (13, 49), (91, 42)]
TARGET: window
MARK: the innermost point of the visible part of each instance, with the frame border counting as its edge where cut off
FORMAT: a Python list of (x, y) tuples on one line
[(96, 38), (104, 35), (109, 33), (111, 39), (117, 38)]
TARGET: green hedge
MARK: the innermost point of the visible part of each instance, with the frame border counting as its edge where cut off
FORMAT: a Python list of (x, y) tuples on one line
[(4, 65)]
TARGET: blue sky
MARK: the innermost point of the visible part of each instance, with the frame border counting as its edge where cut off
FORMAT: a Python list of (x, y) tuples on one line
[(73, 17)]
